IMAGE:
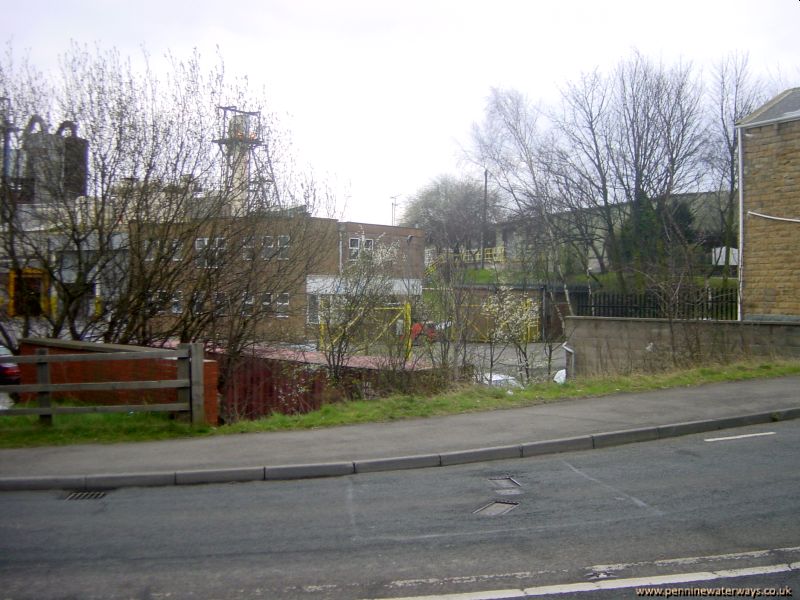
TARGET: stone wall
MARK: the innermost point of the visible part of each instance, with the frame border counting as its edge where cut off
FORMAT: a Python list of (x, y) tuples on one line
[(771, 256), (609, 346)]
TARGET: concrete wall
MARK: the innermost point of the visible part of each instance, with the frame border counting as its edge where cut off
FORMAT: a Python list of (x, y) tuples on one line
[(609, 346), (771, 249), (123, 370)]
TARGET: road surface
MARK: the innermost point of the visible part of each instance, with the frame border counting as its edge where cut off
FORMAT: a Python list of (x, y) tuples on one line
[(697, 504)]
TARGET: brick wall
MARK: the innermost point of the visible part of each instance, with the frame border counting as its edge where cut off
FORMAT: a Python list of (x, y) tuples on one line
[(608, 346), (771, 250), (123, 370)]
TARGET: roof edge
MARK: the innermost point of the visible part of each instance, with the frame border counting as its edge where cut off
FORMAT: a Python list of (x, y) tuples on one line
[(753, 120)]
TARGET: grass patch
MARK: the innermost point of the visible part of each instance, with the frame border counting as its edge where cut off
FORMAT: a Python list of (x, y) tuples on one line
[(24, 431), (93, 428)]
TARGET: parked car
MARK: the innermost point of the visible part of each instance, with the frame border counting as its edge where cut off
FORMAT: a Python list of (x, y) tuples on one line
[(9, 371)]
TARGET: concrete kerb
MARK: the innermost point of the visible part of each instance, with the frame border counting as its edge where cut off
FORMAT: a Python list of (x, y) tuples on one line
[(418, 461), (335, 469), (574, 444), (627, 436), (480, 455), (691, 427), (15, 484), (236, 475), (119, 480), (338, 469)]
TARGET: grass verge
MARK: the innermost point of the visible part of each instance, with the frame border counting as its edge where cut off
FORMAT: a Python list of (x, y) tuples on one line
[(25, 431)]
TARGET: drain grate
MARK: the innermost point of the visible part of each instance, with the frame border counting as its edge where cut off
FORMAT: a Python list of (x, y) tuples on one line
[(505, 482), (498, 507), (506, 486), (85, 496)]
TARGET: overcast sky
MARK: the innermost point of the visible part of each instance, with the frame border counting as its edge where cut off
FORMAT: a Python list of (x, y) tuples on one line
[(380, 96)]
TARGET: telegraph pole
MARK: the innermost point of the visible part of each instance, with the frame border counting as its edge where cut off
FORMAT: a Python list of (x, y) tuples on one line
[(394, 206), (483, 214)]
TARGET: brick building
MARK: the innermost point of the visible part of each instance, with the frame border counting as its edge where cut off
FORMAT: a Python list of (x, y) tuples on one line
[(769, 142), (266, 274), (152, 259)]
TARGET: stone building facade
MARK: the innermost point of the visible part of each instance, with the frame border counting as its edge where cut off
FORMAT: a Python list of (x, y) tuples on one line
[(769, 141)]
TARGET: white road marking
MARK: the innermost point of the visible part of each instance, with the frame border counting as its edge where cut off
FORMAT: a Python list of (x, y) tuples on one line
[(689, 560), (739, 437), (483, 578), (636, 501), (611, 584), (487, 595), (616, 584), (350, 504)]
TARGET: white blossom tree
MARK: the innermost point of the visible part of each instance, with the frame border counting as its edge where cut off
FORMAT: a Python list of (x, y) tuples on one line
[(514, 321)]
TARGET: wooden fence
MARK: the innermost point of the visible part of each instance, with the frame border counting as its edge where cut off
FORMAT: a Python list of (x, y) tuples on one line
[(188, 383)]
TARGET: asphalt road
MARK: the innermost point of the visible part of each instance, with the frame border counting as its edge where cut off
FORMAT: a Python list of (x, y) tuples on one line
[(629, 513)]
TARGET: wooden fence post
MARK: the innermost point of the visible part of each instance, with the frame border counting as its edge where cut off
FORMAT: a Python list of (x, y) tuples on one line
[(183, 371), (43, 398), (196, 356)]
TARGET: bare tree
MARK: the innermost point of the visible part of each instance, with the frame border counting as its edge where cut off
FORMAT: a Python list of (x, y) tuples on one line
[(157, 211), (520, 160), (348, 308), (734, 94), (618, 145), (449, 307), (453, 211)]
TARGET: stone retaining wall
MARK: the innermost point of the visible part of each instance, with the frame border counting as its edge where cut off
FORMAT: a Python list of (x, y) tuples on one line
[(620, 346)]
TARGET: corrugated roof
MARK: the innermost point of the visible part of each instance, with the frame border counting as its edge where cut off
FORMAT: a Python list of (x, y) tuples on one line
[(783, 107)]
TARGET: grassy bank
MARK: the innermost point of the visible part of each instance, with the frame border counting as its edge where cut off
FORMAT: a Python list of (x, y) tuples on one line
[(25, 431)]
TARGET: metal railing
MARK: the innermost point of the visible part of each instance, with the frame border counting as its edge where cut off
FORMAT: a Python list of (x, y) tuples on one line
[(490, 256), (697, 305)]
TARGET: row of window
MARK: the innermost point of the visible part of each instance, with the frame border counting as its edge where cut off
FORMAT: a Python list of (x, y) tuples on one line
[(267, 302), (210, 251)]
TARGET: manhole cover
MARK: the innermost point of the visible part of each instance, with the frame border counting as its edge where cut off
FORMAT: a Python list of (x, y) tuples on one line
[(85, 496), (506, 482), (498, 507), (505, 486)]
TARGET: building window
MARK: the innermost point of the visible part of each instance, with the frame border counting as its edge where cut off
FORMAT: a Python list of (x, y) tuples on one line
[(220, 304), (359, 244), (150, 250), (198, 303), (355, 246), (172, 248), (27, 290), (266, 301), (210, 252), (268, 248), (248, 248), (312, 309), (176, 306), (248, 304), (176, 249), (282, 305), (165, 302), (160, 302), (283, 247)]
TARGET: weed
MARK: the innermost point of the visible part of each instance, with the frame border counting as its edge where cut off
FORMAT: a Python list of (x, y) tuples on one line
[(22, 431)]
